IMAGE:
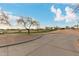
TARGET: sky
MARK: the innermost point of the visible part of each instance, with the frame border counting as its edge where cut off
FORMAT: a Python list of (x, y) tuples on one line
[(48, 14)]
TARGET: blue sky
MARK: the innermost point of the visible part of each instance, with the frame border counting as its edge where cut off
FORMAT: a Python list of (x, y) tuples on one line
[(41, 12)]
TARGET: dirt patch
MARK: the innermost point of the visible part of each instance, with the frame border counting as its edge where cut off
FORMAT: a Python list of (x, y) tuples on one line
[(11, 39)]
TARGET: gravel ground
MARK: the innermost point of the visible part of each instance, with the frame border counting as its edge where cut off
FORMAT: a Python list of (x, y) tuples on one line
[(11, 39)]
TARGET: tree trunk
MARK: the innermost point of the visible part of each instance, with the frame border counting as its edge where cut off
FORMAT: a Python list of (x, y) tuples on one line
[(28, 31)]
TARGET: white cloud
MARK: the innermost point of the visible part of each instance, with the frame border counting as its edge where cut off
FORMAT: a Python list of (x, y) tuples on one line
[(53, 9), (69, 17), (3, 26), (12, 19), (58, 13), (59, 16), (10, 14)]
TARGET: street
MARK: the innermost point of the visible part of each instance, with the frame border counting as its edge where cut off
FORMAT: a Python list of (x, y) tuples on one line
[(57, 43)]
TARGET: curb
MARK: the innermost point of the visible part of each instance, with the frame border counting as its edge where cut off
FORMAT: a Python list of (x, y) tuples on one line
[(21, 42)]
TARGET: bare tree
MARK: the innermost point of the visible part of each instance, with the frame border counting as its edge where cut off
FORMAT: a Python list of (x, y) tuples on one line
[(77, 25), (76, 8), (36, 23), (27, 22), (4, 18)]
